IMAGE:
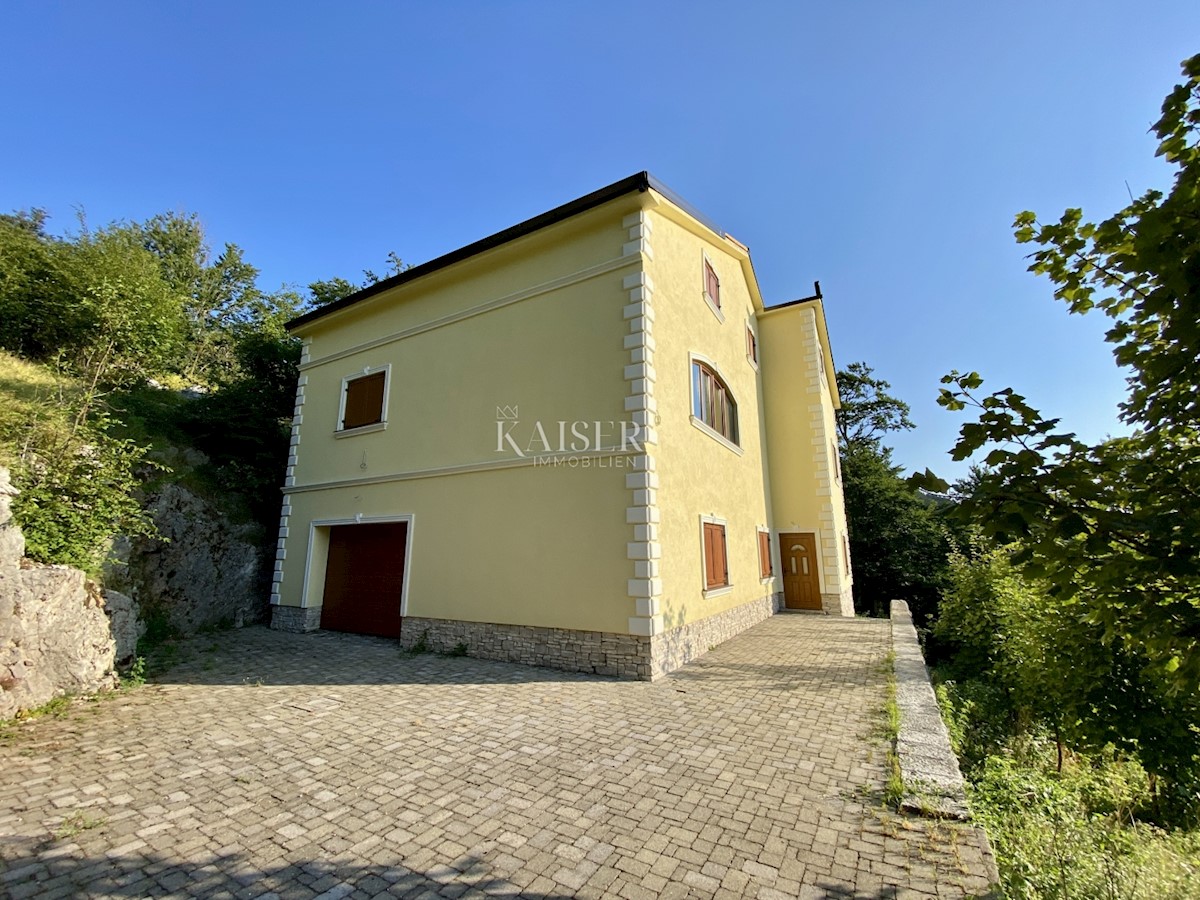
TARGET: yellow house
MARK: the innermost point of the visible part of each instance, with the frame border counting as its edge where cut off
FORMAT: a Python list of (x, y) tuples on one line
[(583, 442)]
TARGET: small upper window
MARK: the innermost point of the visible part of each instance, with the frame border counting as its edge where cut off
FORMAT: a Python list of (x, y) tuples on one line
[(363, 401), (712, 285), (712, 402), (751, 346), (765, 568)]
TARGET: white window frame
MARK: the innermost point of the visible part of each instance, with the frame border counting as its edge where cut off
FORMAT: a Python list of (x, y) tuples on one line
[(386, 369), (694, 358), (821, 367), (752, 332), (713, 305), (705, 590)]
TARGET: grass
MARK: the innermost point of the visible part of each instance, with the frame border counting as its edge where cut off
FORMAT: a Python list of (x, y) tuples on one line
[(55, 708), (29, 392), (1075, 834), (75, 823), (421, 645), (135, 675), (894, 790), (1054, 838)]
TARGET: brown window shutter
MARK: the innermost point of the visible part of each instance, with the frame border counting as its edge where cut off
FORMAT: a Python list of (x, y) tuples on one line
[(364, 401), (712, 285), (764, 554), (716, 572)]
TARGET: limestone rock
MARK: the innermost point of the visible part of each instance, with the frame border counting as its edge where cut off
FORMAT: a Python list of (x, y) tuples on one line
[(125, 622), (209, 571), (54, 636), (12, 542)]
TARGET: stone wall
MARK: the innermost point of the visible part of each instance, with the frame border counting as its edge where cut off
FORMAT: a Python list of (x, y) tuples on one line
[(840, 604), (594, 652), (927, 763), (679, 646), (296, 619), (54, 635)]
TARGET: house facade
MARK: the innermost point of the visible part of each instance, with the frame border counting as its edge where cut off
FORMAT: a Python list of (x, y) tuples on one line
[(583, 442)]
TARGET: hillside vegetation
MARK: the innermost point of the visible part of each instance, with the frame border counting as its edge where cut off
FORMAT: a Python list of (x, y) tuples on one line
[(1059, 584), (121, 346), (100, 332)]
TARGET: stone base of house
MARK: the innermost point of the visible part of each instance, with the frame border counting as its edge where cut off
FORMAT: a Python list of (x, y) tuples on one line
[(626, 656), (679, 646), (839, 604), (595, 652), (296, 619)]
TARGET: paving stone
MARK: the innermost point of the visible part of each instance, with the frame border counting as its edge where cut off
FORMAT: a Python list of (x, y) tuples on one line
[(281, 765)]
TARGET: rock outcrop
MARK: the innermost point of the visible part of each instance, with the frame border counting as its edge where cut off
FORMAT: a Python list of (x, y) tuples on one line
[(208, 572), (60, 633), (125, 621), (54, 635)]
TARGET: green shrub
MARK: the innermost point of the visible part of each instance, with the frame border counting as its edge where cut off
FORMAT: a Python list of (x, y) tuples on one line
[(979, 716), (1054, 838), (77, 491)]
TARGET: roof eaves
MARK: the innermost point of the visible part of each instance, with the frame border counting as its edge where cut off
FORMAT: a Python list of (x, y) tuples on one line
[(641, 181), (817, 296)]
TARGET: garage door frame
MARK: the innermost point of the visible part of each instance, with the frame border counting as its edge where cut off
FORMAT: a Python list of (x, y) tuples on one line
[(318, 544)]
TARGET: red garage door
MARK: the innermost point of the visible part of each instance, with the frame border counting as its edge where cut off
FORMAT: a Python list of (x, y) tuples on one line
[(364, 577)]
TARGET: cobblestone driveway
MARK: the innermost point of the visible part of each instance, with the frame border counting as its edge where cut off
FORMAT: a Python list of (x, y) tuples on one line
[(271, 764)]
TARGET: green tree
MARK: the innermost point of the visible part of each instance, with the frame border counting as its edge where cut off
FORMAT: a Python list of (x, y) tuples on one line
[(36, 319), (220, 296), (1114, 528), (1057, 672), (244, 427), (896, 540), (334, 289), (97, 301), (395, 265), (130, 320), (1109, 533), (331, 290), (868, 411)]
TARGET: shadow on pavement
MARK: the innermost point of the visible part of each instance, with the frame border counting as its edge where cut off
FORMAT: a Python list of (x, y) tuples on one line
[(41, 872), (255, 655), (47, 870)]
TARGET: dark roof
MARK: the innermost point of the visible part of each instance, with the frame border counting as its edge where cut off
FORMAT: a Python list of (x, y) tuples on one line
[(642, 181), (817, 296)]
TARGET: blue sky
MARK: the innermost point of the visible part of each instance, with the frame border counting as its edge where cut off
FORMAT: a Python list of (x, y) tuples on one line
[(882, 148)]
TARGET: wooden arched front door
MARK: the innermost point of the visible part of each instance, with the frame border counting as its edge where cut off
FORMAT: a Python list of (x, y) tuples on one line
[(801, 582)]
